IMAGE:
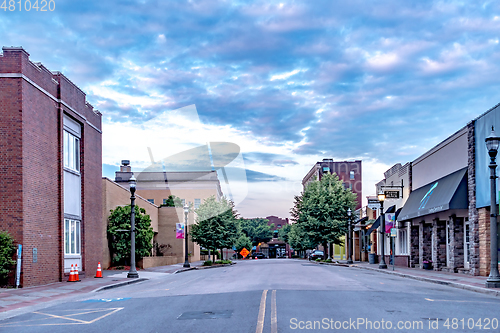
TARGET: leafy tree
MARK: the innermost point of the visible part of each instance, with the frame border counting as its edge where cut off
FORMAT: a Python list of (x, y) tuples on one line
[(173, 201), (7, 250), (120, 240), (257, 229), (283, 232), (216, 227), (298, 239), (243, 241), (320, 212)]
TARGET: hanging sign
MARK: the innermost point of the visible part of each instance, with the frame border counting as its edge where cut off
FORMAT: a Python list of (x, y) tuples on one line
[(390, 222), (179, 230)]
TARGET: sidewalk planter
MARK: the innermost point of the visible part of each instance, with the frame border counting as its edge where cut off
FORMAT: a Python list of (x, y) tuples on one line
[(427, 265)]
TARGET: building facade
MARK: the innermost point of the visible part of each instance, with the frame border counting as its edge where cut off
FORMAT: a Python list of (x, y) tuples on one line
[(349, 172), (51, 162)]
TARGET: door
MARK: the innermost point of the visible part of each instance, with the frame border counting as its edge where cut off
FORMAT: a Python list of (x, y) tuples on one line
[(466, 243)]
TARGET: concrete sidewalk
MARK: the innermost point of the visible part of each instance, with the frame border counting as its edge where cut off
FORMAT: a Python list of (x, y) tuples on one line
[(22, 300), (462, 281)]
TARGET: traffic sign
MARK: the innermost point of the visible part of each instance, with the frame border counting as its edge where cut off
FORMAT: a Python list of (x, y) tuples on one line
[(244, 252)]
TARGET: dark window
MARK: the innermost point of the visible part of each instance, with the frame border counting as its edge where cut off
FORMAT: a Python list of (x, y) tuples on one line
[(351, 175), (151, 200)]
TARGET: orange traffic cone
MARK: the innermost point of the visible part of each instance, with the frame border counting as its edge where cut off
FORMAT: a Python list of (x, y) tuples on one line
[(99, 271), (77, 279), (71, 275)]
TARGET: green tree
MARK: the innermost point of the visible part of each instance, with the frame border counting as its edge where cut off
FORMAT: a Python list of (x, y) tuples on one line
[(283, 232), (216, 224), (243, 241), (298, 239), (257, 229), (320, 212), (7, 250), (120, 240), (173, 201)]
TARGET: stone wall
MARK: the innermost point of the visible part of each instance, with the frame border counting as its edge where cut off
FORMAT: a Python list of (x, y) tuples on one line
[(414, 246), (473, 213), (425, 243), (438, 244)]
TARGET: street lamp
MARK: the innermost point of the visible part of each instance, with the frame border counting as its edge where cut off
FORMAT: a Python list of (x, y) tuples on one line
[(349, 259), (492, 143), (133, 272), (381, 198), (186, 260)]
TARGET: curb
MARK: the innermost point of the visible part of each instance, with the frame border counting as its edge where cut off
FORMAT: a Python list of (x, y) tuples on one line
[(435, 281), (120, 284), (201, 267)]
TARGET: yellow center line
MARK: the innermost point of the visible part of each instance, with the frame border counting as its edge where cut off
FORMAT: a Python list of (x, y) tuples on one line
[(262, 312), (274, 314)]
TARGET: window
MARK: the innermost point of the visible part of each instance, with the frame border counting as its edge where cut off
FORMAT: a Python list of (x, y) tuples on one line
[(164, 201), (403, 241), (326, 169), (197, 203), (183, 202), (71, 236), (71, 146), (279, 226), (351, 175), (151, 200)]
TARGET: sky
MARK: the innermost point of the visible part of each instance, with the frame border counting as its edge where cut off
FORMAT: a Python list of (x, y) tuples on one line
[(288, 82)]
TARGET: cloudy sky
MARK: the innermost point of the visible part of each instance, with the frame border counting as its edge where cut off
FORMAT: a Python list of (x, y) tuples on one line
[(289, 82)]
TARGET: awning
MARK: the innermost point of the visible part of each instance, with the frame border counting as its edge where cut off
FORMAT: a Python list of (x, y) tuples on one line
[(374, 226), (391, 209), (449, 192)]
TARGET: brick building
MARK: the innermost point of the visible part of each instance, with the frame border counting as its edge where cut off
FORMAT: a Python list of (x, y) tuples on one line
[(349, 172), (50, 157)]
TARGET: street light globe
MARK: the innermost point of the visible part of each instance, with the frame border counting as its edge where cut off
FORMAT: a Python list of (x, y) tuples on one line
[(381, 196), (492, 143), (349, 212), (186, 208), (132, 181)]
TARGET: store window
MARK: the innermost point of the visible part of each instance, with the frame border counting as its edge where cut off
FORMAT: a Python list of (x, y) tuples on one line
[(71, 151), (71, 236)]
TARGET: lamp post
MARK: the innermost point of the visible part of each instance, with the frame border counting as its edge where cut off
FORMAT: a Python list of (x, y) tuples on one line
[(492, 143), (186, 260), (349, 259), (133, 272), (381, 198)]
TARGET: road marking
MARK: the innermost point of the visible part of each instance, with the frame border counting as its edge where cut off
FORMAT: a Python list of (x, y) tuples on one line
[(73, 321), (274, 314), (262, 312)]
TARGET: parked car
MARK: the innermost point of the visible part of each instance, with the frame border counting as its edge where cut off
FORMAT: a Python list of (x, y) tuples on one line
[(316, 254), (258, 255)]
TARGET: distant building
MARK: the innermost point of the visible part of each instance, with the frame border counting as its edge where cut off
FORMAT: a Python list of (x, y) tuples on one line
[(51, 166), (349, 172), (276, 248)]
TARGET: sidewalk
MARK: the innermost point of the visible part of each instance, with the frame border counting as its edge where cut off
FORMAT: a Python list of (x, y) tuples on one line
[(22, 300), (456, 280)]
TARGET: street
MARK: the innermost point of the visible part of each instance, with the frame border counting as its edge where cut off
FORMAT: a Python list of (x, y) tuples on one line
[(271, 295)]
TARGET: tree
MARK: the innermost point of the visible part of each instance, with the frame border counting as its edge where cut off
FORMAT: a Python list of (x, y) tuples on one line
[(320, 212), (7, 250), (216, 227), (257, 229), (283, 232), (173, 201), (120, 240), (242, 242)]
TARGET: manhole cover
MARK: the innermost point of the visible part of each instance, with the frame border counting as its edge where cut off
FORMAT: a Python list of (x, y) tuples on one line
[(206, 314)]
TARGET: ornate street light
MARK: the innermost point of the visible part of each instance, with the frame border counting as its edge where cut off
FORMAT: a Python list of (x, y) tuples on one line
[(492, 143), (349, 259), (186, 260), (381, 198), (133, 272)]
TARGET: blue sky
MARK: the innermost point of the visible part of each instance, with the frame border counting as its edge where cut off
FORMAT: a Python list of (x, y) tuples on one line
[(290, 82)]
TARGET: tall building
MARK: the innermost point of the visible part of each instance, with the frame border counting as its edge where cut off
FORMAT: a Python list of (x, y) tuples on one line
[(349, 172), (50, 157)]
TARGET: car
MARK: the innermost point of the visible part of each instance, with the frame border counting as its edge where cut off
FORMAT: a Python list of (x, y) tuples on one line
[(316, 254), (258, 255)]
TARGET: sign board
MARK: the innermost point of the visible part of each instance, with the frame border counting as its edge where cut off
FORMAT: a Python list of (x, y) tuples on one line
[(244, 252), (35, 254), (391, 194), (390, 222), (394, 232)]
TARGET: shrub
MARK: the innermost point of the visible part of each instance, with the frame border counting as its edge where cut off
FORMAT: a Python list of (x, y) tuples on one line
[(328, 260), (318, 259), (7, 250), (207, 263)]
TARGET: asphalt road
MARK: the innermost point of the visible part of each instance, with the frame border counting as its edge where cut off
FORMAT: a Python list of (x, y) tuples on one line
[(282, 295)]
